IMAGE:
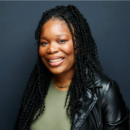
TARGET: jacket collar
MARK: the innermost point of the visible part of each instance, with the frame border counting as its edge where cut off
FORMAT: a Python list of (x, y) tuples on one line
[(88, 102), (87, 105)]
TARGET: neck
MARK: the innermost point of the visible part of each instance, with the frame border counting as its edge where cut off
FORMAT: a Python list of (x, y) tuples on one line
[(63, 79)]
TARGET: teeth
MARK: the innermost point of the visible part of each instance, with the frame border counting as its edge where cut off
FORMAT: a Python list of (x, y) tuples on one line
[(55, 60)]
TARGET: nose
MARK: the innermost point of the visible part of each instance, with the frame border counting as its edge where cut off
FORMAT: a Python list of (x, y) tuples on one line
[(52, 48)]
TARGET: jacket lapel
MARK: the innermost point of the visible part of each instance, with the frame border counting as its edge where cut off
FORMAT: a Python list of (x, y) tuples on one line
[(80, 115), (88, 102)]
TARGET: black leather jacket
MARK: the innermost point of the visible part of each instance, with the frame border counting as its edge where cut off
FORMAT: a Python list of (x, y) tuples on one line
[(105, 111)]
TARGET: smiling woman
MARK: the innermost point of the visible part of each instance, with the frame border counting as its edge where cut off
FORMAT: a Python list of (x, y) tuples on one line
[(67, 88)]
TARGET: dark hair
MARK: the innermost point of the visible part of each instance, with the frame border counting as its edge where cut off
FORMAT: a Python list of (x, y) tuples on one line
[(87, 58)]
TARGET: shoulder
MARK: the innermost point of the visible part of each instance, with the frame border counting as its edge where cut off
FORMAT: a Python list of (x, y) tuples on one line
[(106, 83), (109, 89), (113, 106), (102, 80), (106, 87)]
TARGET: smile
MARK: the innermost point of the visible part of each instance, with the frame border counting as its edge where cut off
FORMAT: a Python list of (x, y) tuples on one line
[(56, 62)]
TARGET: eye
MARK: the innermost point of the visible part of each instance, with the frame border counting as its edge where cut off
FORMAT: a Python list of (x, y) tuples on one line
[(43, 43), (62, 41)]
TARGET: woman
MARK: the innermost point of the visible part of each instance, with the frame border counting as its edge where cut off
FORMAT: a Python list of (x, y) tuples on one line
[(68, 72)]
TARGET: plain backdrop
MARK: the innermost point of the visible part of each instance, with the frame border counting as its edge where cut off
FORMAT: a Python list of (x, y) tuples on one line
[(110, 26)]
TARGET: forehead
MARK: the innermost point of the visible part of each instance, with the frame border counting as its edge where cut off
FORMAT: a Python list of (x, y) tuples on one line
[(55, 26)]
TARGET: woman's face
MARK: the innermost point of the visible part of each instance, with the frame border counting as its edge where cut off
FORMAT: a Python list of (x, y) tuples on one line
[(56, 47)]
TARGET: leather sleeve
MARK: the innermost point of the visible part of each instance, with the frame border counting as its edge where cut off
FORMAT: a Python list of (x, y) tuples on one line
[(115, 113)]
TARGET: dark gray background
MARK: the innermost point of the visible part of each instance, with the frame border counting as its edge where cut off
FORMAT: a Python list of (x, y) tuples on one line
[(110, 27)]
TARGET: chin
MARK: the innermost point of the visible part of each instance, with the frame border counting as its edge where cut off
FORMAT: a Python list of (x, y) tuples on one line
[(56, 71)]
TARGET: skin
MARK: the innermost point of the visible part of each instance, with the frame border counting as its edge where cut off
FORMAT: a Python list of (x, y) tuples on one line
[(56, 40)]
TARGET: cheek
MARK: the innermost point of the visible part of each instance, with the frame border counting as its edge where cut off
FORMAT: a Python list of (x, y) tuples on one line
[(41, 54), (41, 51), (69, 49)]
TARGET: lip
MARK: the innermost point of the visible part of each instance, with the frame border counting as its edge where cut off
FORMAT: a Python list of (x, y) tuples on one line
[(55, 63)]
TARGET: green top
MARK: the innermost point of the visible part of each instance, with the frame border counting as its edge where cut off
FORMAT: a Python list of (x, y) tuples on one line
[(54, 116)]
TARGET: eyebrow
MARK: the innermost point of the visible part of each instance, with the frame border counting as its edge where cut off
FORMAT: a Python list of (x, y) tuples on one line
[(56, 35)]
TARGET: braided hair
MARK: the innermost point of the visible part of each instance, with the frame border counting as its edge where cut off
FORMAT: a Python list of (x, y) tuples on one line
[(37, 86)]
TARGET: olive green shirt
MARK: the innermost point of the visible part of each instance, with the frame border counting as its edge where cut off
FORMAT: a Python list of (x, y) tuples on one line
[(54, 116)]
